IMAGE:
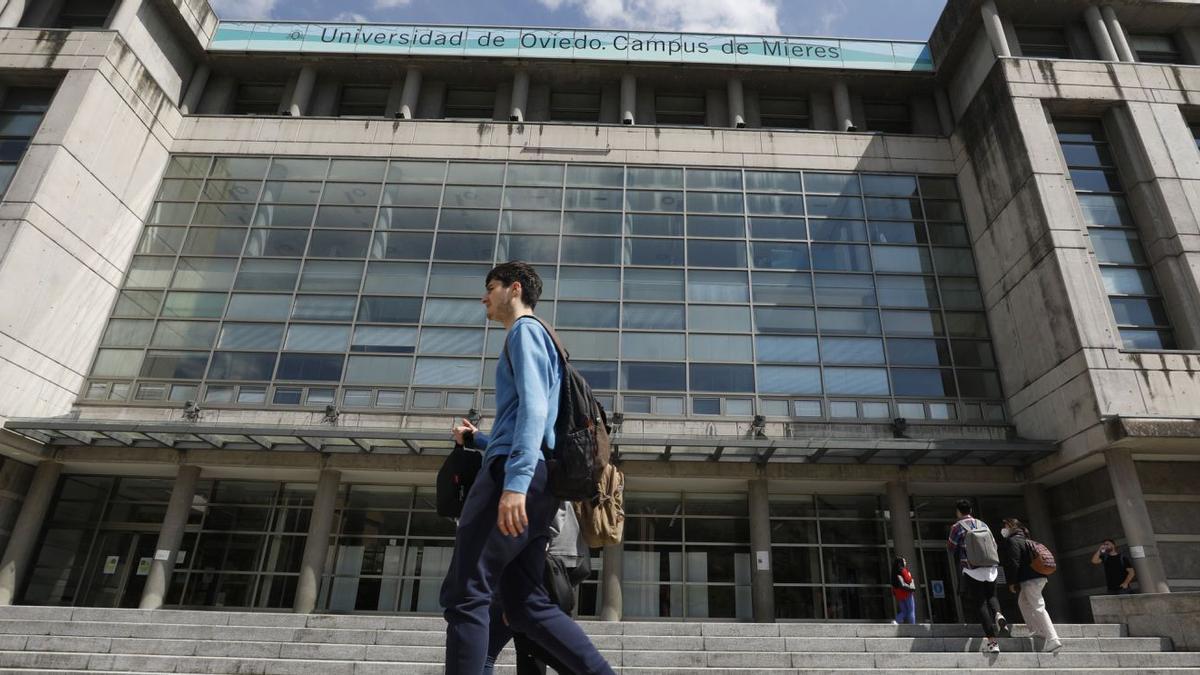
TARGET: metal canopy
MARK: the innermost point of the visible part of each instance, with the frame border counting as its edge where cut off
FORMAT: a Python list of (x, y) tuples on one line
[(679, 448)]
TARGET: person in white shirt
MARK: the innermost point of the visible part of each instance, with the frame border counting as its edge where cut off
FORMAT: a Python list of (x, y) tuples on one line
[(977, 584)]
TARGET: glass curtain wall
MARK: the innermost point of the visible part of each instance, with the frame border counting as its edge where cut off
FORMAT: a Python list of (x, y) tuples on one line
[(830, 557), (295, 282), (686, 556)]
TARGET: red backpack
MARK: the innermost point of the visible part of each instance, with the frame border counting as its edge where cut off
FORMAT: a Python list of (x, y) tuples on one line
[(1041, 560)]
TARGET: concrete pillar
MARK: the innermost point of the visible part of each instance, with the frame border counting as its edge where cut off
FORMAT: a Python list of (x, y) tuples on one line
[(520, 96), (995, 29), (123, 17), (1037, 510), (10, 17), (610, 583), (169, 537), (843, 113), (1135, 521), (737, 104), (628, 99), (1095, 24), (1117, 33), (945, 115), (25, 531), (410, 95), (316, 546), (904, 540), (302, 94), (762, 581), (195, 89)]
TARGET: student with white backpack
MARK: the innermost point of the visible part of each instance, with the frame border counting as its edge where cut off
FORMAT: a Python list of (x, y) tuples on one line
[(974, 547)]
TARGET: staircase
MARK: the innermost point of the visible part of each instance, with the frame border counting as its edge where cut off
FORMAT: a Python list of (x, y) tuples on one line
[(89, 640)]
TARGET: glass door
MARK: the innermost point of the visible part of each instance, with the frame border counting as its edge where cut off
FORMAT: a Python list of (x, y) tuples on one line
[(119, 567)]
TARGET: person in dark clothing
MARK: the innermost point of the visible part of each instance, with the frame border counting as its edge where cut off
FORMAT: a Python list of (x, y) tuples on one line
[(1016, 557), (1118, 568), (976, 584)]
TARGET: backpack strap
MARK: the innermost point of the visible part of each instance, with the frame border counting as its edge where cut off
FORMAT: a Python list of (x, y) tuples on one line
[(562, 351)]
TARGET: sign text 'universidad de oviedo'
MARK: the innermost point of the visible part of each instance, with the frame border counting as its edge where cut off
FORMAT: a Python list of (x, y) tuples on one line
[(539, 43)]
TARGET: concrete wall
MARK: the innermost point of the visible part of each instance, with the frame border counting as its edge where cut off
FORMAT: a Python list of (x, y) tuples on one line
[(1084, 513), (1175, 616), (1174, 505), (14, 482), (150, 34), (74, 210)]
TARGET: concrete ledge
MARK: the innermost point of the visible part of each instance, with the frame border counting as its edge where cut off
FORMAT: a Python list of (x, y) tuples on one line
[(1170, 615)]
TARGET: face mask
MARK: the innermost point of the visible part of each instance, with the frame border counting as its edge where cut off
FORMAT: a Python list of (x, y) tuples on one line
[(1005, 532)]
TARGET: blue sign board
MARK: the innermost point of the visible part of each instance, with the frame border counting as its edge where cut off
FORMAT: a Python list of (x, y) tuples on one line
[(570, 44)]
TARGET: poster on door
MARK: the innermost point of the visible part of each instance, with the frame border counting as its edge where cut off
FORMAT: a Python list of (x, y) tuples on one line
[(110, 564), (144, 566)]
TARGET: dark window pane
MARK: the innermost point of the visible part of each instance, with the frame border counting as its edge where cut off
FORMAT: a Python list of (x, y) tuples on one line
[(281, 243), (778, 228), (337, 244), (599, 374), (780, 255), (175, 365), (473, 247), (310, 367), (389, 310), (237, 366), (587, 315), (918, 353), (711, 377), (784, 320), (841, 257), (712, 253), (838, 230), (845, 289), (653, 376), (668, 317), (591, 250), (401, 245), (909, 382), (664, 252)]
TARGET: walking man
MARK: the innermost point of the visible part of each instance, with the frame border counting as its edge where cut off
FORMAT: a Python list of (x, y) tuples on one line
[(500, 544), (974, 547), (1016, 554)]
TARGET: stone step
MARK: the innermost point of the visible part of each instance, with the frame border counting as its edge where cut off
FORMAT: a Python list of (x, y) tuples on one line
[(253, 651), (679, 663), (175, 639), (420, 669)]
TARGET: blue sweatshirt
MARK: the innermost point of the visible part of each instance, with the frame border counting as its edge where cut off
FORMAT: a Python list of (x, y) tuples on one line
[(526, 403)]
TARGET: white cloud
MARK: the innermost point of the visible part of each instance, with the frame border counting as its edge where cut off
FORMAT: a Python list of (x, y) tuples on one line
[(831, 16), (724, 16), (351, 17), (390, 4), (229, 10)]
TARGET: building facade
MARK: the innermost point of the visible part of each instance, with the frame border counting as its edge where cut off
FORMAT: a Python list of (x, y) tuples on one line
[(827, 286)]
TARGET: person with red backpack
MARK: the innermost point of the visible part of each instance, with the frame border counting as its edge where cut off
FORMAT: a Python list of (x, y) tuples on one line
[(501, 539), (1027, 566), (972, 544)]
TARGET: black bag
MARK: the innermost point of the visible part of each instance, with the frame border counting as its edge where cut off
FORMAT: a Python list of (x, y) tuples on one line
[(558, 583), (455, 478), (582, 448)]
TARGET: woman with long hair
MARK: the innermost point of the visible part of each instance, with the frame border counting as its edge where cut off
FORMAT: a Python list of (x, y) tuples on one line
[(904, 588)]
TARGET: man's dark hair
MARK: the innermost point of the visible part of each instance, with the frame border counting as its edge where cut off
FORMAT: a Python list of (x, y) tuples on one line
[(964, 506), (1110, 541), (517, 270)]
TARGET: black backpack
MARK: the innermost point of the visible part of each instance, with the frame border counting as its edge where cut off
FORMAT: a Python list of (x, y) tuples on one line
[(582, 449), (454, 480)]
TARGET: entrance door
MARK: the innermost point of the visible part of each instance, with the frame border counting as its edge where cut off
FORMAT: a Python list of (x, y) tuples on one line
[(120, 564), (940, 570)]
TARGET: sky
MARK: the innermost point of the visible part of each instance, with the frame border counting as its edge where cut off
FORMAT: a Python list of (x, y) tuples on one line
[(881, 19)]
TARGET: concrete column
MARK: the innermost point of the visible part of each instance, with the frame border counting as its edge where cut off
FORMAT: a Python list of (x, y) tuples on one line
[(316, 546), (762, 581), (610, 583), (25, 531), (842, 111), (195, 89), (126, 11), (737, 104), (1104, 43), (945, 115), (904, 540), (169, 537), (1117, 33), (410, 95), (520, 96), (302, 94), (1135, 521), (1037, 510), (628, 99), (10, 17), (995, 29)]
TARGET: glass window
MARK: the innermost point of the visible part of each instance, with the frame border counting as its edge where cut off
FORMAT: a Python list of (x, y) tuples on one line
[(913, 382), (241, 366), (775, 205), (715, 202), (386, 370), (338, 244), (330, 276), (176, 365), (786, 349), (647, 200), (717, 253), (784, 288), (533, 222), (324, 308), (908, 291), (856, 381), (598, 176), (478, 173), (314, 338), (147, 272), (448, 372), (852, 350), (409, 171), (278, 243), (127, 333), (861, 321), (587, 315), (117, 362), (780, 255), (918, 352), (250, 336), (293, 192), (785, 320), (389, 310), (587, 223), (258, 307), (267, 275), (653, 376), (591, 250), (840, 257), (145, 303), (845, 289), (719, 348), (716, 226), (713, 377), (590, 345), (384, 339), (648, 284), (161, 240), (204, 274), (789, 380), (713, 286), (889, 185), (718, 318), (838, 230), (654, 177), (463, 341), (589, 283), (653, 346), (445, 279), (184, 334), (649, 317), (401, 245), (311, 367)]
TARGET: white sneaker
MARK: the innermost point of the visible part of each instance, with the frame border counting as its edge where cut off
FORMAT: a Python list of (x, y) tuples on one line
[(1002, 624), (1052, 646), (895, 622), (992, 647)]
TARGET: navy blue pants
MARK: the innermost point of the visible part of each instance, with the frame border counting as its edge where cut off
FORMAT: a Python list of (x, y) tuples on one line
[(485, 559)]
